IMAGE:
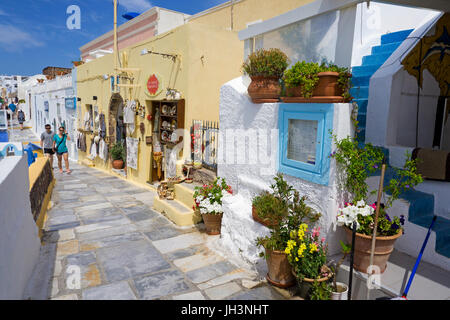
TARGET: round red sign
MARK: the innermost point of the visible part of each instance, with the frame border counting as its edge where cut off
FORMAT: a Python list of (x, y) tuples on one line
[(153, 84)]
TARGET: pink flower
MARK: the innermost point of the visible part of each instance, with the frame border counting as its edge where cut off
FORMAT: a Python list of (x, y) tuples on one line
[(323, 239)]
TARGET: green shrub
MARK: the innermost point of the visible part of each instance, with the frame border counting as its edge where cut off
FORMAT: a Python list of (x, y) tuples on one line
[(266, 63), (118, 151), (302, 74)]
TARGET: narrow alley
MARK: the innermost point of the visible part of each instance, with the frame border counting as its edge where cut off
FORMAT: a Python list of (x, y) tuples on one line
[(125, 250)]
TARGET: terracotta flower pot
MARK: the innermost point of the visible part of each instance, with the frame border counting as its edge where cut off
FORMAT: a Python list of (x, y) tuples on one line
[(117, 164), (295, 91), (328, 84), (264, 89), (279, 270), (363, 245), (264, 222), (213, 223)]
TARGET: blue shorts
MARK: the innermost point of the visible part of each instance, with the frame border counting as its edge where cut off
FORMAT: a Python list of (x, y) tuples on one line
[(61, 153)]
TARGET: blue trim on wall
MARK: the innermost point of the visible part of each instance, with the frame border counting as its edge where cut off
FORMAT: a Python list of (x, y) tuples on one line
[(322, 112)]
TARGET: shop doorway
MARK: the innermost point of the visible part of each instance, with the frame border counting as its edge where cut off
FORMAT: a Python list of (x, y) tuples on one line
[(117, 132)]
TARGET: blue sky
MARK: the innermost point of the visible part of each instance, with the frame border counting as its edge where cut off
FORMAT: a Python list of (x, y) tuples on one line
[(33, 33)]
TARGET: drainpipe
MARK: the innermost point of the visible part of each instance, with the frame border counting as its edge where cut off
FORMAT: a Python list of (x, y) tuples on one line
[(116, 53)]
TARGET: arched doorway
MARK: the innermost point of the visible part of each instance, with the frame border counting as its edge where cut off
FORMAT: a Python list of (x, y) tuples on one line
[(116, 127)]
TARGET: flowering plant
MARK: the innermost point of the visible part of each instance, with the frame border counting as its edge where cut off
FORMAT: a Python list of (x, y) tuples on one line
[(307, 254), (364, 216), (208, 198)]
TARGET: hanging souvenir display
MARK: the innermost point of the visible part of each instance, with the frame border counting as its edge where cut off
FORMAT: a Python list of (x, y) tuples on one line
[(132, 152)]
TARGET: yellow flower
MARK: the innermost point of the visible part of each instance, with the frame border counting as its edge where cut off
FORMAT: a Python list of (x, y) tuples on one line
[(301, 249), (296, 259), (313, 248)]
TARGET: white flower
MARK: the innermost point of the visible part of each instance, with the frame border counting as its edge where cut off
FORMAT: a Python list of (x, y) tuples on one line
[(361, 203)]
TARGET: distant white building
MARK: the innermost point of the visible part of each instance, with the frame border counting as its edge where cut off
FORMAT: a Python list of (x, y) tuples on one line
[(54, 102), (9, 85)]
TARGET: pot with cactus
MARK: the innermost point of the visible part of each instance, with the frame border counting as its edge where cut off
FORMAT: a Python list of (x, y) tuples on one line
[(265, 67), (294, 212), (358, 163)]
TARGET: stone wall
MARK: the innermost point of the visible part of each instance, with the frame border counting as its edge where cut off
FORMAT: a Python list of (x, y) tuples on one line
[(40, 187)]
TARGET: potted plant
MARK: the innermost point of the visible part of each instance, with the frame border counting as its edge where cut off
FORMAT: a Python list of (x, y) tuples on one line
[(307, 254), (118, 155), (358, 163), (208, 200), (279, 270), (265, 68), (270, 208), (333, 81), (301, 79)]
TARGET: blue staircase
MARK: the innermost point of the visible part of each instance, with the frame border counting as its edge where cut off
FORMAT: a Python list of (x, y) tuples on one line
[(421, 209), (362, 74)]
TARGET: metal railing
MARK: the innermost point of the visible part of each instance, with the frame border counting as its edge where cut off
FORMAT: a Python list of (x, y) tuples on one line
[(204, 143)]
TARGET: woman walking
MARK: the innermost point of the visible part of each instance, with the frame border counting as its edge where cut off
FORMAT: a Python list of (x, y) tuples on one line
[(59, 145), (21, 118)]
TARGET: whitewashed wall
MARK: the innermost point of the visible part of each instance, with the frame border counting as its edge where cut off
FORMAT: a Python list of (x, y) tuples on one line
[(238, 114), (391, 111), (55, 91), (380, 18), (19, 241)]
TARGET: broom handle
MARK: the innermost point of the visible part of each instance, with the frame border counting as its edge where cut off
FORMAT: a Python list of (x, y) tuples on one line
[(377, 211)]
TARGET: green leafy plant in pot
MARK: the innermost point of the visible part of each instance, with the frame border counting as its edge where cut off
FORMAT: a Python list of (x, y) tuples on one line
[(118, 155), (265, 67), (295, 212), (333, 81), (358, 163), (301, 79)]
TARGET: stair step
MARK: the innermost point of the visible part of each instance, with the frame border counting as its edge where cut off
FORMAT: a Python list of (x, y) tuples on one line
[(397, 36), (362, 104), (361, 71), (375, 59), (176, 211), (361, 92), (386, 48), (361, 80), (444, 250), (184, 193)]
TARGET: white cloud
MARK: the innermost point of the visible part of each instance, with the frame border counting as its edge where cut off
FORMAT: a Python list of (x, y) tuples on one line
[(135, 5), (14, 39)]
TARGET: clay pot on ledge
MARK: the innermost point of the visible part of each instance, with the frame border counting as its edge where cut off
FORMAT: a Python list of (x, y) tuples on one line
[(363, 245), (213, 223), (328, 85), (264, 89), (295, 91), (117, 164), (279, 270)]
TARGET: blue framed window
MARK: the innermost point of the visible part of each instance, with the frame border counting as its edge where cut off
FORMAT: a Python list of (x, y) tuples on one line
[(305, 140)]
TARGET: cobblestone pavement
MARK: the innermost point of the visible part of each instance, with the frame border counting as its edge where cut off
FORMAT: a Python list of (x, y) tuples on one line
[(17, 135), (104, 227)]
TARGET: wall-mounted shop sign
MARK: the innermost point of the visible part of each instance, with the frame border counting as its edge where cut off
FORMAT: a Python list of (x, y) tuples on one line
[(154, 85), (71, 103)]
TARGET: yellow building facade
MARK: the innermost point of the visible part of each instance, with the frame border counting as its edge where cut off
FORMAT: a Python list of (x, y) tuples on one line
[(203, 54)]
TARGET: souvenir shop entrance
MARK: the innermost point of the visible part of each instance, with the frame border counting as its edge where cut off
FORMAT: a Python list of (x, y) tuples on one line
[(167, 136)]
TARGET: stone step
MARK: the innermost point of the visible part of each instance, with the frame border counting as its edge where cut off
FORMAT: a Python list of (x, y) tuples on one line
[(361, 80), (393, 281), (361, 71), (361, 92), (176, 211), (184, 193)]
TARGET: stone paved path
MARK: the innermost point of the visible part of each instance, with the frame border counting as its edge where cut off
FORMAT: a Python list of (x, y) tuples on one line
[(104, 227)]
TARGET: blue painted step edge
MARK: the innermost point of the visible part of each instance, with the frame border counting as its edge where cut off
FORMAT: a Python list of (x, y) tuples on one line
[(386, 48), (395, 36)]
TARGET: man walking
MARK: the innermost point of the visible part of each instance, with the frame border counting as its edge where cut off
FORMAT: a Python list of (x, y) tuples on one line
[(47, 143)]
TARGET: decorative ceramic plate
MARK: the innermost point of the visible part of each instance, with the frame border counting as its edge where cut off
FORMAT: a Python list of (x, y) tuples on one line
[(174, 124), (164, 136), (173, 111), (165, 124), (165, 109), (173, 137)]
